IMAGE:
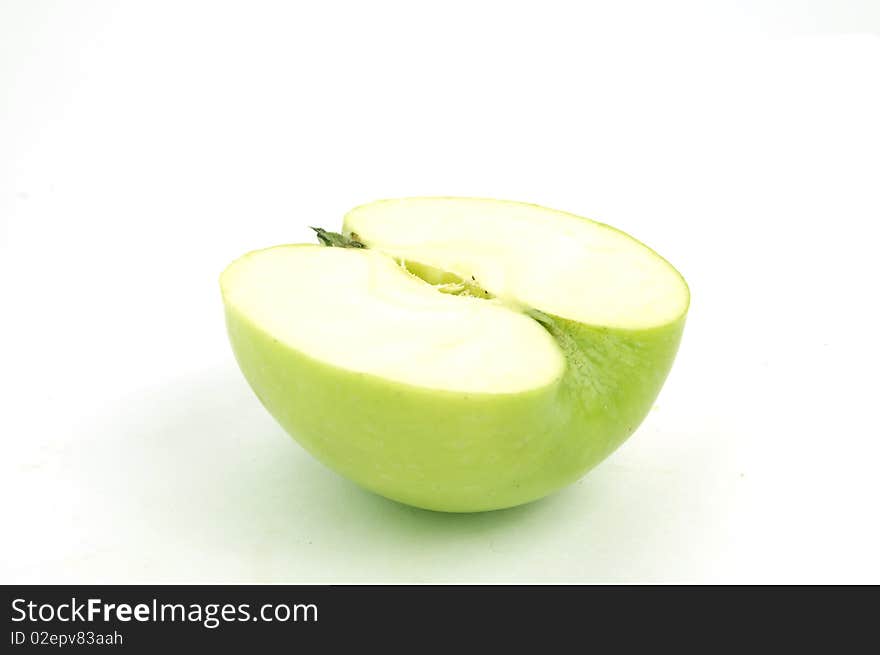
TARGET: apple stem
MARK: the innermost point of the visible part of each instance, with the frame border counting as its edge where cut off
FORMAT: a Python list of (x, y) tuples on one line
[(337, 240)]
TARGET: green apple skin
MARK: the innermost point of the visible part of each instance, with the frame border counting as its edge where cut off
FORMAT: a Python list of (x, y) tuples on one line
[(463, 452)]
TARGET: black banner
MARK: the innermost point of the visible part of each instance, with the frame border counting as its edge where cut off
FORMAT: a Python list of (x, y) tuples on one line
[(149, 618)]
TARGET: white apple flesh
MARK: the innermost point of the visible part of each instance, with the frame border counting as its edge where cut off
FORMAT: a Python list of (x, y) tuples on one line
[(474, 355)]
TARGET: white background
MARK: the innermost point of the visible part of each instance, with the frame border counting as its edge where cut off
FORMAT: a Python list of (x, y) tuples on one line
[(144, 145)]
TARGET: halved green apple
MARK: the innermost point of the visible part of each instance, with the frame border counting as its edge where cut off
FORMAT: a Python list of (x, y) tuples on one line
[(461, 354)]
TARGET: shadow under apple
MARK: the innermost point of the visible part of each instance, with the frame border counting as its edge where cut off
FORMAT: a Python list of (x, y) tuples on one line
[(201, 485)]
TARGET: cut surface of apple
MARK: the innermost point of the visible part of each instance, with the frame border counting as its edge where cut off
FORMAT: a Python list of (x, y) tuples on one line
[(466, 354), (532, 256), (361, 311)]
